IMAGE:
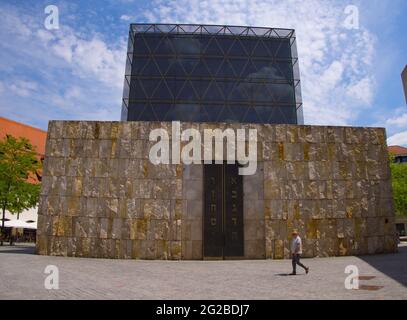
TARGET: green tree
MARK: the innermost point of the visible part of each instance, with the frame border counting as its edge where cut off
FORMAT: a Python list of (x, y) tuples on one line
[(18, 162), (399, 184)]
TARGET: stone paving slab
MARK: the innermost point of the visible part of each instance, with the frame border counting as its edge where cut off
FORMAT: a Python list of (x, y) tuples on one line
[(22, 277)]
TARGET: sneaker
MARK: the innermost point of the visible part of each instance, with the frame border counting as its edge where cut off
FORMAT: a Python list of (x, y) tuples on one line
[(307, 270), (292, 274)]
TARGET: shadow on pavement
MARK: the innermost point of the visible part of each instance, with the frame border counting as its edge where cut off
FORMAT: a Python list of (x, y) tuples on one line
[(393, 265), (18, 248)]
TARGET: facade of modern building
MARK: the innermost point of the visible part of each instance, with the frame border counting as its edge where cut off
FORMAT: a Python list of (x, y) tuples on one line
[(207, 73), (102, 196), (404, 79)]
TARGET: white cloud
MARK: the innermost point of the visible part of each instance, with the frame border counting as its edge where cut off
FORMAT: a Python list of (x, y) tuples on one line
[(399, 139), (398, 121), (23, 88), (78, 73), (362, 90), (335, 63), (125, 17), (92, 57), (44, 35), (73, 93)]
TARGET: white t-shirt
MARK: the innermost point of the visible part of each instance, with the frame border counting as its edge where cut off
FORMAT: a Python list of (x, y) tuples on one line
[(296, 245)]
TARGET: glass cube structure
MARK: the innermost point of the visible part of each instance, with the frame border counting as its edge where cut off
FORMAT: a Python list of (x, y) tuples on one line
[(209, 73)]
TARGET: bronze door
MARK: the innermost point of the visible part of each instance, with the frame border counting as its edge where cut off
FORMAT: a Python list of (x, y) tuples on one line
[(223, 211)]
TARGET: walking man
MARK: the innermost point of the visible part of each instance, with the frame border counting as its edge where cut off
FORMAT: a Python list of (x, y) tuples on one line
[(296, 251)]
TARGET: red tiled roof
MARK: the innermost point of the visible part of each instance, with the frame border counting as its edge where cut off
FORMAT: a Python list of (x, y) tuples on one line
[(397, 150), (37, 137)]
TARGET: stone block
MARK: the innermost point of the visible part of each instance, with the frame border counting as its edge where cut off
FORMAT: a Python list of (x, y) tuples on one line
[(270, 151), (254, 249), (156, 209), (179, 209), (194, 209), (273, 189), (175, 250), (275, 170), (293, 151), (59, 246), (193, 172), (55, 129), (192, 190), (158, 230), (254, 209), (42, 244), (197, 250), (275, 209), (254, 230)]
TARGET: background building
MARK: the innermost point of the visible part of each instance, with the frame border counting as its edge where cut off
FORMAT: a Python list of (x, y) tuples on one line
[(28, 218), (404, 78), (206, 73), (399, 153)]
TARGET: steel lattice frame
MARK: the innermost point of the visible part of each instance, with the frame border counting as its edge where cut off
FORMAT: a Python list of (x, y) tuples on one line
[(158, 103)]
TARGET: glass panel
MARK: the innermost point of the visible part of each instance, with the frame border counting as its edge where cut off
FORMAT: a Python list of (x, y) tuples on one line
[(175, 68), (185, 112), (188, 65), (284, 50), (228, 116), (164, 47), (213, 93), (140, 47), (213, 65), (261, 92), (225, 44), (200, 69), (282, 92), (238, 65), (251, 116), (260, 49), (282, 70), (136, 90), (148, 114), (161, 110), (163, 64), (239, 112), (186, 45), (237, 49), (210, 46), (225, 70), (124, 113), (149, 86), (163, 92), (185, 91), (248, 44), (151, 69), (135, 111), (213, 112), (238, 93), (138, 65), (201, 86), (264, 113)]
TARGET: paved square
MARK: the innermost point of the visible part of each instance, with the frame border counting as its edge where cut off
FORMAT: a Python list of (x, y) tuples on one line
[(22, 277)]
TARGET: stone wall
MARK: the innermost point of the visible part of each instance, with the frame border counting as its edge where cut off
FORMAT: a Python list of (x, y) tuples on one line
[(102, 197)]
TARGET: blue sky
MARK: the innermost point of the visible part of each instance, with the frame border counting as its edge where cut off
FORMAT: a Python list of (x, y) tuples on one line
[(350, 76)]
